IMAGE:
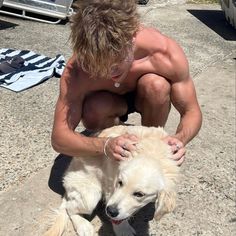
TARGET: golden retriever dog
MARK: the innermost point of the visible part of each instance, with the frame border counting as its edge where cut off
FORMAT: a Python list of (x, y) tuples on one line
[(148, 175)]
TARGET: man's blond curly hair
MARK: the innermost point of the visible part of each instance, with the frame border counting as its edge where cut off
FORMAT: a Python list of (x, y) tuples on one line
[(102, 33)]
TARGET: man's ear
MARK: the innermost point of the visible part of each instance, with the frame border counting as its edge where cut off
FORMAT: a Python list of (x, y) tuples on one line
[(165, 203)]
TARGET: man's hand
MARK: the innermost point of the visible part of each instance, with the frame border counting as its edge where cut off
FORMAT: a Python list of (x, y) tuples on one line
[(177, 148), (119, 148)]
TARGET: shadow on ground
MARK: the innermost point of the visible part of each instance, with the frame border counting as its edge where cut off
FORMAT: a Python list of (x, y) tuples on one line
[(215, 20), (5, 25)]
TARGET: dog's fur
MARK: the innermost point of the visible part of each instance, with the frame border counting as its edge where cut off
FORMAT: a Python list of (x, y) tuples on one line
[(148, 175)]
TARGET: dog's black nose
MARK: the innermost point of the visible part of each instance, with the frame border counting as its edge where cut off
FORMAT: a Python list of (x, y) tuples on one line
[(112, 211)]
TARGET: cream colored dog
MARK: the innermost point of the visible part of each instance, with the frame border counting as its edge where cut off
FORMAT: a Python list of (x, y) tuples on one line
[(148, 175)]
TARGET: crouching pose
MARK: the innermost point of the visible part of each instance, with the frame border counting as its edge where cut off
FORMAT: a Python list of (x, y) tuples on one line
[(118, 67)]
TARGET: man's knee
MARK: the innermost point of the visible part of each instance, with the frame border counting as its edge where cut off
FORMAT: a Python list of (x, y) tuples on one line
[(153, 88)]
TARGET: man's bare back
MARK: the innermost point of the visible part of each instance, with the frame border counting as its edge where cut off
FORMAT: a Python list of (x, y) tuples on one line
[(148, 58), (157, 72)]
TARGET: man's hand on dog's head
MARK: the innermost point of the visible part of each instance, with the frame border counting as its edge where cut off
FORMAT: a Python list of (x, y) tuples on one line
[(177, 148), (120, 148)]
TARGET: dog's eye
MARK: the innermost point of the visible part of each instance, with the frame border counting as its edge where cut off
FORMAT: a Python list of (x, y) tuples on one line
[(119, 183), (139, 194)]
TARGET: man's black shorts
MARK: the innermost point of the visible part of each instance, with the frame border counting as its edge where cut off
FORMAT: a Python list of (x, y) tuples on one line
[(130, 100)]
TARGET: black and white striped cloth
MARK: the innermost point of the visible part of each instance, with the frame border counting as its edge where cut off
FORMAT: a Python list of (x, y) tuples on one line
[(36, 69)]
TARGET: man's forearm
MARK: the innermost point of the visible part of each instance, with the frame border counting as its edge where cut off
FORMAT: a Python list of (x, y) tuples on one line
[(75, 144), (189, 126)]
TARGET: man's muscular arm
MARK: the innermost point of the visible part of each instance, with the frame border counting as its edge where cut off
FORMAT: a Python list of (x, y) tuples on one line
[(183, 96), (68, 115)]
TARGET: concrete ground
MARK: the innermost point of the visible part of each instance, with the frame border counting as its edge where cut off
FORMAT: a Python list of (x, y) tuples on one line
[(206, 193)]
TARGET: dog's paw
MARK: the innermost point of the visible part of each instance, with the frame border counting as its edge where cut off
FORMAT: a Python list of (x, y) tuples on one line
[(85, 229), (124, 229)]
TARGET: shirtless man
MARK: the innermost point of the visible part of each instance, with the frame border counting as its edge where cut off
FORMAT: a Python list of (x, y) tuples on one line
[(116, 60)]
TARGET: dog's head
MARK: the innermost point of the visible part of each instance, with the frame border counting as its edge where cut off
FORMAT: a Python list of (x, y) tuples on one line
[(141, 181)]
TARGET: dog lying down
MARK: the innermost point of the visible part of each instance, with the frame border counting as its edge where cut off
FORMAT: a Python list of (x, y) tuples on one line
[(148, 175)]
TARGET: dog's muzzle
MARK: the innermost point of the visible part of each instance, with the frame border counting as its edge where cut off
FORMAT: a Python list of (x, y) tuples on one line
[(112, 211)]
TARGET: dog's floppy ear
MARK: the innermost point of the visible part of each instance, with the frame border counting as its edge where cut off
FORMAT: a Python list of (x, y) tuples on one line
[(165, 203)]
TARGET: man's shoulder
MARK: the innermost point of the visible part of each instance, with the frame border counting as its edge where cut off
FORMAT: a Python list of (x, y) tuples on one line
[(145, 32), (165, 55), (74, 81), (157, 44), (151, 40)]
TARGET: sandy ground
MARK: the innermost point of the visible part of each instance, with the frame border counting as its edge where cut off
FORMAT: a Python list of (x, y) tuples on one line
[(206, 192)]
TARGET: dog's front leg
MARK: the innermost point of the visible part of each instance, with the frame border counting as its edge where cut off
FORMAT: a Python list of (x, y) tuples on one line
[(82, 226), (83, 202), (123, 229)]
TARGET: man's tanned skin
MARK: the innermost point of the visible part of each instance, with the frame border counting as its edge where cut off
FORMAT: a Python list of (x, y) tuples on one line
[(157, 71)]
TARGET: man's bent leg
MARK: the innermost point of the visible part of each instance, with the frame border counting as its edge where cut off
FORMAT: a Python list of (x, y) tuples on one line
[(153, 99), (102, 110)]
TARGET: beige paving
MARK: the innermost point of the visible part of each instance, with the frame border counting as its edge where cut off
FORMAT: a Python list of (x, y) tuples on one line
[(206, 199)]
